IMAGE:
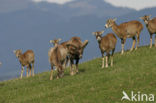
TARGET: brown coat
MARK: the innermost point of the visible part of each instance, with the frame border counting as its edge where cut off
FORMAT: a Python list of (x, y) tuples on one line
[(107, 44), (26, 58), (127, 29), (150, 24), (64, 44), (57, 57), (75, 51), (76, 47), (56, 43)]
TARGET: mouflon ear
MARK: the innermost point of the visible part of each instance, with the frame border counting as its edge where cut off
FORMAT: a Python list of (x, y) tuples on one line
[(14, 51), (149, 16), (94, 33), (59, 39), (114, 19), (51, 41), (102, 31), (141, 18), (20, 50)]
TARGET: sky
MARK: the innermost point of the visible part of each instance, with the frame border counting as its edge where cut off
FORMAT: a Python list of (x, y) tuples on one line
[(54, 1), (14, 5), (134, 4)]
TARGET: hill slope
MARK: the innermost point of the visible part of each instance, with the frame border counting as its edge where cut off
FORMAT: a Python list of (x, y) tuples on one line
[(134, 71)]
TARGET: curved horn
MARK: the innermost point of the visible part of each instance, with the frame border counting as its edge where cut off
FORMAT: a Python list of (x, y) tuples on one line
[(85, 44), (14, 51), (70, 44)]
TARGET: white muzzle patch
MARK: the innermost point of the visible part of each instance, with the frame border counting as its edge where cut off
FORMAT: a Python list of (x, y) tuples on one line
[(98, 38)]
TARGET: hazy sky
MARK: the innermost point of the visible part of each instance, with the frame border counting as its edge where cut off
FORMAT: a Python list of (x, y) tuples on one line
[(14, 5), (54, 1), (135, 4)]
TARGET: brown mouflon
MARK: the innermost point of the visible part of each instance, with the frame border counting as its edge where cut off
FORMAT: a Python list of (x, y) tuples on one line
[(75, 49), (57, 57), (131, 29), (26, 59), (107, 44), (56, 42), (151, 26)]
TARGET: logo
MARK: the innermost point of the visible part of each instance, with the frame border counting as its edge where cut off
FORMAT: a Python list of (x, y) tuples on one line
[(137, 96)]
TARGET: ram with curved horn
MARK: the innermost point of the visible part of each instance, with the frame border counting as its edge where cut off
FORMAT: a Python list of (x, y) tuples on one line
[(75, 49)]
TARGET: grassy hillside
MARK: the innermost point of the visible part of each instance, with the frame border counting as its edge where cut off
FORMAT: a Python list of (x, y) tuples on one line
[(134, 71)]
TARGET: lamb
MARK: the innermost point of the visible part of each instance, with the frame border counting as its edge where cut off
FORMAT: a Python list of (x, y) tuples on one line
[(26, 59), (107, 44)]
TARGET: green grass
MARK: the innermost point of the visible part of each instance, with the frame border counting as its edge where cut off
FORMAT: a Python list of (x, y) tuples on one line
[(135, 71)]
